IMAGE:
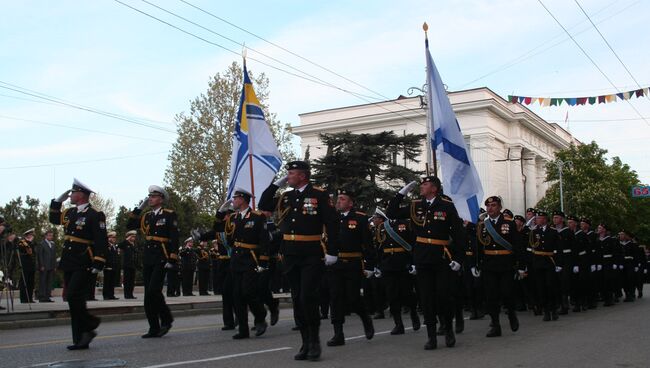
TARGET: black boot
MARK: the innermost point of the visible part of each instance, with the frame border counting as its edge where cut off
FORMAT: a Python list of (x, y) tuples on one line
[(415, 319), (554, 315), (304, 348), (474, 314), (495, 328), (379, 315), (547, 316), (441, 328), (368, 327), (314, 343), (460, 321), (338, 339), (432, 342), (514, 321), (399, 325), (450, 338)]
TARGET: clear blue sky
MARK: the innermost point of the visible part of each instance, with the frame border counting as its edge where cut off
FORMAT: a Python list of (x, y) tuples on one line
[(107, 56)]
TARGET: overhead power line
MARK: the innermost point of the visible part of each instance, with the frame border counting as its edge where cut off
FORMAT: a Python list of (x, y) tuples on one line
[(82, 161)]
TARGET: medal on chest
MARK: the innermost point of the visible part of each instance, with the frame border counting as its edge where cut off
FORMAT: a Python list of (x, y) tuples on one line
[(440, 215), (310, 206), (80, 223)]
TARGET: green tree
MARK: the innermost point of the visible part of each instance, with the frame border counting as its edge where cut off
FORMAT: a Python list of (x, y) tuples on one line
[(199, 162), (597, 189), (23, 215), (373, 165)]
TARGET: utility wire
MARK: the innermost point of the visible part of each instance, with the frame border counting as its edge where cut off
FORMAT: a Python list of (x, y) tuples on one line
[(81, 162)]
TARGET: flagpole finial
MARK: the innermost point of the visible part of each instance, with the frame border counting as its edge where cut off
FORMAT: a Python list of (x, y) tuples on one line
[(243, 52), (425, 28)]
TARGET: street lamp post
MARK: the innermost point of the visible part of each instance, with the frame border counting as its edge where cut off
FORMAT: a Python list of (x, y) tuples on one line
[(560, 167)]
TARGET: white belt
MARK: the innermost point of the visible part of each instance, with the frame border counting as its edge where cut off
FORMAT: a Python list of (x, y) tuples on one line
[(529, 249), (629, 257), (566, 251), (607, 256), (582, 253)]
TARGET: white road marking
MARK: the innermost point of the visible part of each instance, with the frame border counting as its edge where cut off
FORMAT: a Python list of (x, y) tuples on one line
[(217, 358)]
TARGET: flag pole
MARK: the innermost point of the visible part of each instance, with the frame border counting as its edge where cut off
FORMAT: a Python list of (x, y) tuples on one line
[(250, 140), (431, 159)]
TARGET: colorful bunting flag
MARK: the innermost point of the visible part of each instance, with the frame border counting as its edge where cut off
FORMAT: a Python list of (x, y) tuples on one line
[(573, 101)]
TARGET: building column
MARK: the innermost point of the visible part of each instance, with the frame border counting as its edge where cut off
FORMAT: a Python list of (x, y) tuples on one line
[(540, 177), (515, 195), (479, 147), (530, 170)]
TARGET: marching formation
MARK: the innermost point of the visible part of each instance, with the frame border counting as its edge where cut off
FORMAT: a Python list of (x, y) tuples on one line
[(414, 257)]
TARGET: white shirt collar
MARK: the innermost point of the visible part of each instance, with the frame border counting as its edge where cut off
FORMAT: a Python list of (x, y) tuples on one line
[(495, 219), (429, 201), (243, 212), (82, 207), (345, 213), (302, 188), (157, 211)]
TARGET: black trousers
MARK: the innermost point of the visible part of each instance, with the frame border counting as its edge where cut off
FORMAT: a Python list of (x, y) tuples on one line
[(92, 283), (222, 284), (204, 280), (398, 287), (246, 296), (264, 288), (499, 286), (546, 284), (26, 286), (433, 286), (76, 293), (155, 307), (345, 290), (304, 274), (473, 288), (173, 282), (108, 291), (129, 282), (187, 281)]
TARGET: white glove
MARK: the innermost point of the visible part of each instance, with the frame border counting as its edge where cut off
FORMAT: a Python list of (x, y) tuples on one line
[(407, 188), (169, 265), (636, 269), (455, 266), (63, 197), (620, 267), (225, 206), (196, 235), (144, 203), (281, 182), (614, 267), (260, 269), (9, 282), (330, 260), (95, 270), (412, 270), (476, 273), (377, 272), (645, 271), (368, 274), (576, 269), (522, 274), (599, 267), (558, 269), (593, 268)]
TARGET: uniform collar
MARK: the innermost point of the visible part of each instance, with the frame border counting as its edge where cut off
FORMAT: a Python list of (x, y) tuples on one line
[(494, 219), (157, 211), (302, 188), (243, 213), (82, 207)]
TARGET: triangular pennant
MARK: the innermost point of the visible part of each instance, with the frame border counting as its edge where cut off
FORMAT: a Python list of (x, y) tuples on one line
[(553, 101), (592, 100), (521, 99), (545, 101), (571, 101), (610, 98), (639, 92), (582, 100), (620, 95), (528, 100), (512, 99), (602, 99)]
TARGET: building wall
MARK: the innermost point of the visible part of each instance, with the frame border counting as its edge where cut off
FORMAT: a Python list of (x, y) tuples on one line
[(508, 143)]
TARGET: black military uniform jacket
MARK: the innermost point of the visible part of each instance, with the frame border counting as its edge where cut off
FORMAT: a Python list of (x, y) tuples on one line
[(471, 247), (631, 257), (494, 256), (112, 258), (204, 259), (391, 255), (567, 256), (527, 256), (85, 236), (582, 250), (355, 243), (433, 226), (27, 256), (128, 254), (544, 243), (247, 236), (305, 217), (611, 252), (160, 230), (189, 258)]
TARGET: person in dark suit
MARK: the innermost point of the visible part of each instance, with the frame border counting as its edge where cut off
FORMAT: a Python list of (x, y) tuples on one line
[(46, 264), (127, 253), (84, 254), (27, 262), (108, 290), (544, 241)]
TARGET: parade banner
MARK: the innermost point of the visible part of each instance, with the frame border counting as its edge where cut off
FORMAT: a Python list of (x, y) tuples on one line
[(574, 101)]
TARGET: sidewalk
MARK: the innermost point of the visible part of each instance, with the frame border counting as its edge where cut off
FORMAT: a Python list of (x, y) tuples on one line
[(51, 314)]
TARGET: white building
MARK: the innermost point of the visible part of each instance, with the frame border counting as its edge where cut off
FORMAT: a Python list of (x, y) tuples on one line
[(509, 144)]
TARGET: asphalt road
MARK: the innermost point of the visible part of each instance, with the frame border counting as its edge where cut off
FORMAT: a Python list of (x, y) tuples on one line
[(607, 337)]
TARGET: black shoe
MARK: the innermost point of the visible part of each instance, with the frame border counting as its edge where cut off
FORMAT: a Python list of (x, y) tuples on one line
[(415, 320), (150, 334), (86, 338), (640, 295), (547, 316), (628, 299), (537, 311), (397, 330), (338, 339), (514, 321), (368, 327), (564, 310), (314, 351), (260, 329), (495, 330), (324, 316), (379, 315), (450, 338), (576, 309), (227, 328), (441, 330), (94, 322), (554, 315), (77, 347), (460, 325), (164, 329), (432, 342), (132, 297), (304, 348), (275, 316), (240, 335)]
